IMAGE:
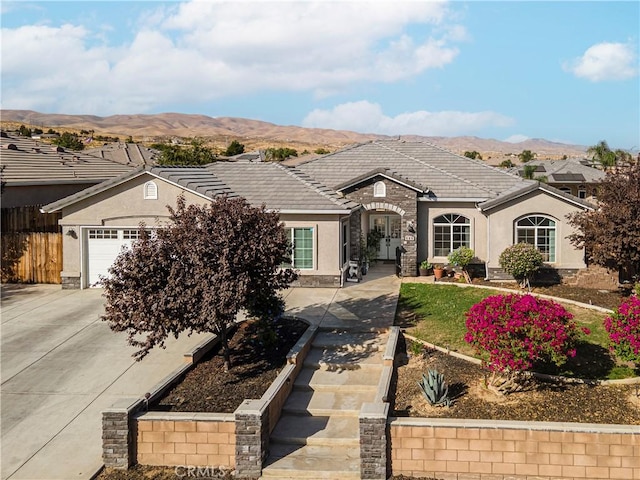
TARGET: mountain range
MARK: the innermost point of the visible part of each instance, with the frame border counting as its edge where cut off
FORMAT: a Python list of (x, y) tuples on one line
[(258, 134)]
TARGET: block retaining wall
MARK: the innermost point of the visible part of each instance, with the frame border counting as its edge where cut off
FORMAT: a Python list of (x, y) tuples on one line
[(451, 449), (193, 439), (235, 440)]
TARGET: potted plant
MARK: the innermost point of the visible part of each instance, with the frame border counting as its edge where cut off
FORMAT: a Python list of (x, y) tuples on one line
[(425, 268), (438, 271)]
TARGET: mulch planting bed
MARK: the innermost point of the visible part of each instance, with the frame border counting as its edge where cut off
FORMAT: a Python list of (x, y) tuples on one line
[(257, 356), (602, 298), (543, 401)]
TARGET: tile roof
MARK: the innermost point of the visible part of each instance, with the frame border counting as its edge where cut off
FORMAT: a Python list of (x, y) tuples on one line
[(277, 187), (126, 153), (567, 171), (30, 162), (444, 174)]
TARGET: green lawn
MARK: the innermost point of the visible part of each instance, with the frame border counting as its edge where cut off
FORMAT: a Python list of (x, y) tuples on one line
[(436, 314)]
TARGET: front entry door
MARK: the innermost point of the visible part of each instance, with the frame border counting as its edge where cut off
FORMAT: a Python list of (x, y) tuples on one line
[(391, 228)]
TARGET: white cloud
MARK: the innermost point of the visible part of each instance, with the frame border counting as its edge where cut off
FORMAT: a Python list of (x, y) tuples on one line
[(197, 51), (367, 117), (605, 61), (517, 138)]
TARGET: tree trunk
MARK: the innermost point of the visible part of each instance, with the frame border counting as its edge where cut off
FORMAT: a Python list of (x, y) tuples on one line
[(226, 353)]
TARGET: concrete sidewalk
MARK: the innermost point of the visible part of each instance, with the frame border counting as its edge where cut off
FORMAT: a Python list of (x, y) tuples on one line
[(61, 366)]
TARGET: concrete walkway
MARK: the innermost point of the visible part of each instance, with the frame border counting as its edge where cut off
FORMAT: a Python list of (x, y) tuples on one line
[(317, 435), (368, 304), (61, 366)]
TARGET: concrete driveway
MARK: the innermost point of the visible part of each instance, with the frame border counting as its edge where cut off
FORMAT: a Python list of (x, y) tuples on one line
[(61, 366)]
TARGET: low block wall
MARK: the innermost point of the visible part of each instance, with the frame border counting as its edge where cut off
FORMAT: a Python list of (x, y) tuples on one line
[(496, 450), (194, 439)]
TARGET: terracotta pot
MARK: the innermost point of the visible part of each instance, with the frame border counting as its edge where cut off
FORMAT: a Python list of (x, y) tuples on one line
[(438, 272)]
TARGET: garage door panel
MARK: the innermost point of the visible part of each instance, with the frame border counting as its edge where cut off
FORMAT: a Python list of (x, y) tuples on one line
[(103, 246)]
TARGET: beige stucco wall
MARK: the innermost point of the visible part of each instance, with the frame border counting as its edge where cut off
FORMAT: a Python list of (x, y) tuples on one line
[(493, 231), (326, 241), (121, 206), (428, 211), (502, 221), (124, 206)]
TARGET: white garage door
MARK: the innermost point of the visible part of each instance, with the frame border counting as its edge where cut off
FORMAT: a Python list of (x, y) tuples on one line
[(103, 246)]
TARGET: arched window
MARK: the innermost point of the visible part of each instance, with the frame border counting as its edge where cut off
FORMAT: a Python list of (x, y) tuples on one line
[(450, 231), (538, 231), (582, 191), (150, 191), (565, 190), (379, 189)]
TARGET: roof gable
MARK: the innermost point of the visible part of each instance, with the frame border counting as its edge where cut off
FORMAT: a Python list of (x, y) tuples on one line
[(384, 173), (446, 174)]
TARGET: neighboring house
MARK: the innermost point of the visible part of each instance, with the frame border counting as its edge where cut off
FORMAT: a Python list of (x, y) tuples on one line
[(36, 173), (126, 153), (424, 201), (570, 176)]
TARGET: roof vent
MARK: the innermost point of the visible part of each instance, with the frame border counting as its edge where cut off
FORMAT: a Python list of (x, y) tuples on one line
[(57, 149), (12, 146), (4, 134), (35, 150)]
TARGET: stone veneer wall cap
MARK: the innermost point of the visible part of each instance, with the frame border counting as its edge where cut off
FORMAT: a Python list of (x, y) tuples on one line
[(512, 424), (374, 410), (308, 336), (392, 343), (251, 407), (124, 405), (186, 416)]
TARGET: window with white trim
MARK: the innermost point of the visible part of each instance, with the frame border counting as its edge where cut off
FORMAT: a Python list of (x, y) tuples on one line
[(150, 191), (302, 247), (566, 190), (379, 189), (450, 231), (582, 191), (540, 232), (345, 242)]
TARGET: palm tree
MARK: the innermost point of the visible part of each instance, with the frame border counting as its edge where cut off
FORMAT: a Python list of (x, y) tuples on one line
[(602, 154)]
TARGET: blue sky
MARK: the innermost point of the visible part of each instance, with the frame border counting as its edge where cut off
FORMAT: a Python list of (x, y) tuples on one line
[(563, 71)]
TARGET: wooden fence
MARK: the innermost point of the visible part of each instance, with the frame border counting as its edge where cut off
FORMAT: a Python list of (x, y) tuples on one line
[(29, 219), (31, 257)]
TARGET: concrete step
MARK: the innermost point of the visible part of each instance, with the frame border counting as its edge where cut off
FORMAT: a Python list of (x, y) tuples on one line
[(348, 341), (358, 380), (312, 462), (308, 402), (317, 430), (331, 359)]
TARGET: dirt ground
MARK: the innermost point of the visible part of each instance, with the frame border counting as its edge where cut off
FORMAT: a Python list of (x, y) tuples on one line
[(548, 402), (603, 298), (257, 355)]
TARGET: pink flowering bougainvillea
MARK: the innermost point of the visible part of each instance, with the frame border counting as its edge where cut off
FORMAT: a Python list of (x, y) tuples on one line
[(512, 332), (623, 328)]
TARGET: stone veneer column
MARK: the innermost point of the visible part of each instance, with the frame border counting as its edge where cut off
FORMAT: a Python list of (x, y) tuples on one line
[(119, 435), (400, 200), (374, 460), (355, 232), (252, 438)]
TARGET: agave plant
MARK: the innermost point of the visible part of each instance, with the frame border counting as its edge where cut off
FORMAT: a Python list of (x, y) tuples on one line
[(434, 388)]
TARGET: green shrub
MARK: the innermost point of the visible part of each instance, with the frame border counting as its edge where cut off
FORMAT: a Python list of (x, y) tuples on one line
[(521, 261)]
